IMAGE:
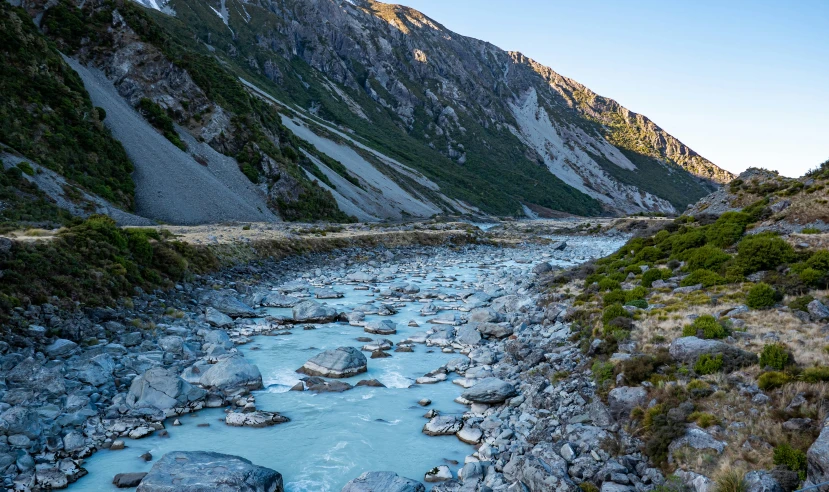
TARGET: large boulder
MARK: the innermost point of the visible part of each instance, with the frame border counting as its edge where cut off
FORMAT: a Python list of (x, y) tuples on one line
[(818, 457), (541, 471), (818, 310), (468, 335), (384, 327), (257, 419), (688, 350), (277, 300), (490, 390), (21, 420), (228, 303), (493, 330), (761, 481), (313, 312), (624, 399), (60, 348), (383, 481), (232, 373), (216, 318), (442, 425), (342, 362), (199, 471), (162, 389)]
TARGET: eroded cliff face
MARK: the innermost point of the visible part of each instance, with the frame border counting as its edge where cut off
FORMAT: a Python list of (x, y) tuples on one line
[(389, 72)]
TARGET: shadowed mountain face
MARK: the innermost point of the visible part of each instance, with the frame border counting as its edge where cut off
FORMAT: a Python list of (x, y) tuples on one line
[(480, 121)]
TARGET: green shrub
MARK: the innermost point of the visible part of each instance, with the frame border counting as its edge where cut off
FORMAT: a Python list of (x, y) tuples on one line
[(612, 312), (764, 251), (707, 257), (708, 364), (639, 303), (772, 379), (815, 374), (791, 458), (762, 296), (158, 118), (692, 238), (26, 168), (703, 419), (801, 303), (614, 297), (654, 274), (705, 326), (705, 277), (607, 284), (649, 254), (727, 229), (602, 372), (638, 369), (775, 355), (810, 276), (819, 260), (635, 293), (810, 230)]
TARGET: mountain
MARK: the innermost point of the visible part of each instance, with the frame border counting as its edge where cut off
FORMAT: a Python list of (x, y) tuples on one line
[(323, 109)]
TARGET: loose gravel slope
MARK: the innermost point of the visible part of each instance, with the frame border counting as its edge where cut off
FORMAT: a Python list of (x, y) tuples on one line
[(170, 185)]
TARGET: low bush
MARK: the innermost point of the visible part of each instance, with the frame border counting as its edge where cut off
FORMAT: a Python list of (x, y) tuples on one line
[(791, 458), (727, 229), (810, 230), (652, 275), (639, 303), (764, 251), (607, 284), (762, 296), (810, 276), (730, 480), (775, 356), (602, 372), (772, 379), (703, 419), (705, 326), (815, 374), (708, 364), (612, 312), (705, 277), (801, 303), (639, 369), (707, 257)]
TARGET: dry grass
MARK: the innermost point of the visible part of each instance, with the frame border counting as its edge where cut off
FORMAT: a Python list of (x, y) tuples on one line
[(807, 341)]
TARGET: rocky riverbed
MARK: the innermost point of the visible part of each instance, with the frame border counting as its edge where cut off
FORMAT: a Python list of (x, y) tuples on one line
[(396, 346)]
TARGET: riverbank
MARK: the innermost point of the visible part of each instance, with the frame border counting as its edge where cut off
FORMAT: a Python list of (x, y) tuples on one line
[(169, 331)]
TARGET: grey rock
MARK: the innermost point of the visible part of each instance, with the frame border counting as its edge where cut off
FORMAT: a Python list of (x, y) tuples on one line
[(21, 420), (761, 481), (232, 373), (688, 350), (216, 318), (342, 362), (327, 294), (438, 474), (60, 348), (483, 315), (623, 399), (277, 300), (228, 303), (697, 439), (818, 310), (542, 268), (383, 482), (490, 390), (128, 480), (468, 335), (494, 330), (818, 457), (384, 327), (198, 471), (162, 389), (313, 312), (254, 419), (442, 425)]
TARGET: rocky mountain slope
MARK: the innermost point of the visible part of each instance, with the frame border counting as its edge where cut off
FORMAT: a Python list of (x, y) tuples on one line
[(325, 110), (481, 122)]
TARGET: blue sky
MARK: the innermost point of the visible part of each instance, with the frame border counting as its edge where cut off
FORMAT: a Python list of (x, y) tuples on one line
[(744, 83)]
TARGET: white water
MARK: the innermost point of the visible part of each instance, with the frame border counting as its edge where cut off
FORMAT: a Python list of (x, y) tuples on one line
[(334, 437)]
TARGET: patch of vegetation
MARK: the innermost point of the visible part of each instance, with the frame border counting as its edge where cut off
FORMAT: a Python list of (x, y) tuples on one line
[(46, 112), (817, 374), (705, 277), (772, 379), (654, 274), (801, 303), (24, 203), (763, 251), (708, 364), (791, 458), (810, 230), (762, 296), (705, 326), (159, 118), (95, 262), (728, 229), (775, 356)]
